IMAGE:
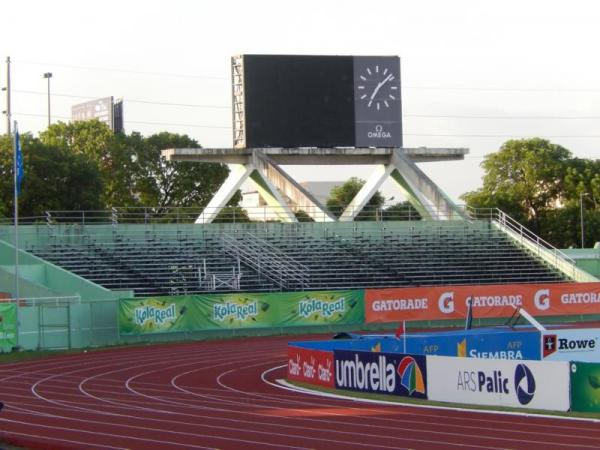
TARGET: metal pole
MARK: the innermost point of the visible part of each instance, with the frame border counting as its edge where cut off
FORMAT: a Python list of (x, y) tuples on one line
[(16, 221), (48, 75), (8, 112), (581, 217)]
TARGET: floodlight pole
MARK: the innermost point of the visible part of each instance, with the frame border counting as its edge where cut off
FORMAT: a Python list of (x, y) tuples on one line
[(581, 195), (7, 89), (48, 75)]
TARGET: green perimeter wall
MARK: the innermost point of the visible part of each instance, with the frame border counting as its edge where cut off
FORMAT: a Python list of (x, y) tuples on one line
[(587, 259), (585, 387)]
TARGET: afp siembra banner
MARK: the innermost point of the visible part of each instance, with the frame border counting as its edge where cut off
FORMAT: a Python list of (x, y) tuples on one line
[(239, 310)]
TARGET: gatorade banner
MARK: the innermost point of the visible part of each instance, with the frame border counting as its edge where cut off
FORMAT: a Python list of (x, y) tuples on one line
[(450, 302), (8, 326), (585, 387), (239, 310)]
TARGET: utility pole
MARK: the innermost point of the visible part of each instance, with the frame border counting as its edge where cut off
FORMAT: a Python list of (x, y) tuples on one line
[(7, 89), (581, 195), (48, 75)]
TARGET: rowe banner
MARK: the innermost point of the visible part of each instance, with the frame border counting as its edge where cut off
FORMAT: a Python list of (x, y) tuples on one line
[(239, 310), (8, 326), (311, 366), (580, 344), (450, 302)]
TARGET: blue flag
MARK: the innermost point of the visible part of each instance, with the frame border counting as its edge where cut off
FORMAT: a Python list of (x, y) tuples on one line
[(19, 157)]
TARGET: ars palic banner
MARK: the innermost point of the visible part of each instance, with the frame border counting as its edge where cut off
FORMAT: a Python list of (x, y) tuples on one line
[(450, 302), (311, 366)]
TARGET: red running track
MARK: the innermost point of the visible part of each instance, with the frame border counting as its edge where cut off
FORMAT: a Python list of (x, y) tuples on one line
[(216, 395)]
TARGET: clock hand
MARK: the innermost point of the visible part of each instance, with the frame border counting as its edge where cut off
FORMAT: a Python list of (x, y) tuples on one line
[(380, 85)]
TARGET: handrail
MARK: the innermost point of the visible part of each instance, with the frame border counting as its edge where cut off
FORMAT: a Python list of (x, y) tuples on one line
[(508, 221), (227, 214), (528, 238), (256, 252)]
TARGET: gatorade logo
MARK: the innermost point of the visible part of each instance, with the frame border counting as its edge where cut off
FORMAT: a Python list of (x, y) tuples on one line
[(541, 299), (446, 302)]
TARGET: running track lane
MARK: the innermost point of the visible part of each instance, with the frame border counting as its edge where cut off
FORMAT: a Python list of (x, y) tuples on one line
[(208, 395)]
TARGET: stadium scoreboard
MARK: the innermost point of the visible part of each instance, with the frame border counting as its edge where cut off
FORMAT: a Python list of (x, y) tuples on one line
[(316, 101)]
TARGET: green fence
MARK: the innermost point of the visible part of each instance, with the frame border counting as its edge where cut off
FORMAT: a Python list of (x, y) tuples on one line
[(65, 322)]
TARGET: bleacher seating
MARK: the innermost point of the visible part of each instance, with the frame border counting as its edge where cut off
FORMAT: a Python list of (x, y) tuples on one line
[(155, 261)]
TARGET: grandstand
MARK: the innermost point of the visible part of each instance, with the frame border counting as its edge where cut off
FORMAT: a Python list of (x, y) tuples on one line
[(182, 258)]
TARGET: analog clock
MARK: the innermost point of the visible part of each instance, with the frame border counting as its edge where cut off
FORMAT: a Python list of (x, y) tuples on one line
[(377, 88)]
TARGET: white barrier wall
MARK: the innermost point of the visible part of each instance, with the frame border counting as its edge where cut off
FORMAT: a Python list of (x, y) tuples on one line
[(582, 345), (497, 382)]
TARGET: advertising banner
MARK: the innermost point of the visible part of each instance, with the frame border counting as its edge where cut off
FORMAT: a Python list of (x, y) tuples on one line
[(486, 344), (311, 366), (8, 326), (585, 387), (155, 315), (236, 310), (571, 345), (450, 302), (496, 382), (381, 373), (318, 308), (239, 310)]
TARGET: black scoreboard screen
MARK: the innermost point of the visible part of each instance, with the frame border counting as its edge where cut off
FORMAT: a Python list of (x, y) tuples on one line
[(317, 101)]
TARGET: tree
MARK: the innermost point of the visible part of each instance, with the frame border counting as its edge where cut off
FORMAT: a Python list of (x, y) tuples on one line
[(91, 137), (401, 211), (341, 196), (166, 184), (133, 171), (111, 152), (525, 178), (55, 179), (583, 177)]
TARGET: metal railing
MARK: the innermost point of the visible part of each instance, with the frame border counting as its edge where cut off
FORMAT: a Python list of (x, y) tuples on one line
[(531, 241), (189, 215), (267, 260)]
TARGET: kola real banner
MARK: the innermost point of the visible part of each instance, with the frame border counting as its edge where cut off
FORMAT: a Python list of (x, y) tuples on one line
[(239, 310), (8, 325)]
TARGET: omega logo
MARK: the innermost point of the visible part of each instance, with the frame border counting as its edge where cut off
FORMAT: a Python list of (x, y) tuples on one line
[(379, 133)]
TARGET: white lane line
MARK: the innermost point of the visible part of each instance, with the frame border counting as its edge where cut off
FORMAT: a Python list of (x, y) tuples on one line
[(37, 436), (112, 435)]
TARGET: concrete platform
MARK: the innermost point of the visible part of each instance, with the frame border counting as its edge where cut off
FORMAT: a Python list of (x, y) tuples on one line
[(314, 156)]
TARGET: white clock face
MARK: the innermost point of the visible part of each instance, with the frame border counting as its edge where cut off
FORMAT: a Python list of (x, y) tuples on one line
[(377, 88)]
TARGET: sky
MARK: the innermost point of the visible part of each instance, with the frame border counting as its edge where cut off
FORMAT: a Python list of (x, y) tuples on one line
[(474, 73)]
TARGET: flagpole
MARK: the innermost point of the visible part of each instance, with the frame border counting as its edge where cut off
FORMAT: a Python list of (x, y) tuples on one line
[(404, 334), (16, 216)]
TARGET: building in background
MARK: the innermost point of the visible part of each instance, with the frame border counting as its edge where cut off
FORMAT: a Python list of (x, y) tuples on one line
[(106, 110)]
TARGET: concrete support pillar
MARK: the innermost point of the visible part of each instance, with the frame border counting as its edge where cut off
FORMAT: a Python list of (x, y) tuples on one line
[(237, 175)]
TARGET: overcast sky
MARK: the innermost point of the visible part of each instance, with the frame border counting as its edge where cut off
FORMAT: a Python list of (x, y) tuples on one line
[(474, 73)]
